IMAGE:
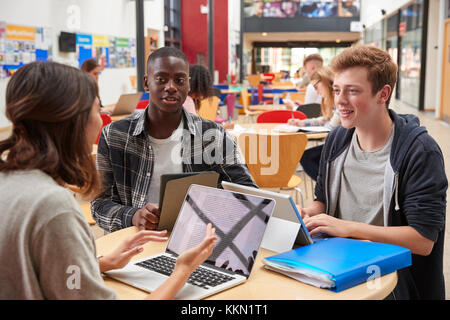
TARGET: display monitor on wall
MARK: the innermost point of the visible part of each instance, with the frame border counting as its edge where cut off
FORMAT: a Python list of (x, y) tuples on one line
[(300, 15), (67, 42)]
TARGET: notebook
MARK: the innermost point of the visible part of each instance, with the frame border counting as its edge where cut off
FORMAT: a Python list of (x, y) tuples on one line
[(240, 221), (173, 189), (286, 226), (339, 263), (309, 129), (126, 104)]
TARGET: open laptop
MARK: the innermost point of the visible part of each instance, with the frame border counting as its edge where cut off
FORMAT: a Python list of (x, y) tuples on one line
[(285, 209), (240, 221), (126, 104)]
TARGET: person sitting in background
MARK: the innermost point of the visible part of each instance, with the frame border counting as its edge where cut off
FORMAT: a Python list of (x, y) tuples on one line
[(322, 81), (200, 83), (91, 67), (310, 64), (134, 152), (44, 236)]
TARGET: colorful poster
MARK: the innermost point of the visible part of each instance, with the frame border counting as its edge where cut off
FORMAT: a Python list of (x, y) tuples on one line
[(2, 48), (20, 45), (84, 47)]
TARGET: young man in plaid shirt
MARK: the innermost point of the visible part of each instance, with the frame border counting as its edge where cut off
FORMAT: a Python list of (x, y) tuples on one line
[(134, 152)]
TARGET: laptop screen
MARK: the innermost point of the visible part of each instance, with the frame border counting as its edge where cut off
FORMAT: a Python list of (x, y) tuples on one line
[(240, 221)]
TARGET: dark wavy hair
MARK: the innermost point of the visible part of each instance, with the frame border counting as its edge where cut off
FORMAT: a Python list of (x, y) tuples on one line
[(201, 85), (48, 105)]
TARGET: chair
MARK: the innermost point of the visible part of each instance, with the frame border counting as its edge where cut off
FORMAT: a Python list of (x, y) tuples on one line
[(106, 118), (248, 114), (261, 99), (312, 110), (272, 159), (208, 108), (295, 96), (254, 79), (86, 207), (279, 116)]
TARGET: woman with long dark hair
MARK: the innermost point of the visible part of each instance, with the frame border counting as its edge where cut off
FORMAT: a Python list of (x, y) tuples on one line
[(44, 238)]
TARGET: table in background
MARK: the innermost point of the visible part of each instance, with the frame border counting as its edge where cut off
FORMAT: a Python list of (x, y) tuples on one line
[(262, 284), (268, 128)]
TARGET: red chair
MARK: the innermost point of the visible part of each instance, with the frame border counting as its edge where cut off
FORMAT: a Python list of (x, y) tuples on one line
[(261, 95), (279, 116), (106, 118), (269, 76)]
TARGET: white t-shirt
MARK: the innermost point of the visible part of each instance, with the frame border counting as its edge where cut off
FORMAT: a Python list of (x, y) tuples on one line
[(311, 95), (167, 160)]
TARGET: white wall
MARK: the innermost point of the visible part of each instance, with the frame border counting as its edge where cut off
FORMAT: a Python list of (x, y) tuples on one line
[(100, 17), (371, 9)]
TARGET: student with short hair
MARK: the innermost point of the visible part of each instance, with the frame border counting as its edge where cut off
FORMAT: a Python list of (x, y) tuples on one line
[(47, 247), (134, 152), (381, 175)]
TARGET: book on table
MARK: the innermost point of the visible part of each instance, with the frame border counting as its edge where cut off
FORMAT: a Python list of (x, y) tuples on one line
[(309, 129), (339, 263)]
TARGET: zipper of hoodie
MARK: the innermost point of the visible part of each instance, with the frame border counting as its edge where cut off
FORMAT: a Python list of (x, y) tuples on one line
[(326, 186), (397, 206)]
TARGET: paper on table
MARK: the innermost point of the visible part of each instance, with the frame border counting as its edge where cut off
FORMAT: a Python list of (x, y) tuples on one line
[(308, 279), (290, 128), (286, 128), (315, 129), (280, 235), (239, 129)]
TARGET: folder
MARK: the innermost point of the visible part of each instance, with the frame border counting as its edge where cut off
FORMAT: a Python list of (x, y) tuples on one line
[(339, 263)]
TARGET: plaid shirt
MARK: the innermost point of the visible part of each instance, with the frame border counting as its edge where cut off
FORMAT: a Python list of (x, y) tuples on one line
[(125, 162)]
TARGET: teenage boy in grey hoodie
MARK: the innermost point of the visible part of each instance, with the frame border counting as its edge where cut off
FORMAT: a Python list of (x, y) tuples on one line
[(381, 175)]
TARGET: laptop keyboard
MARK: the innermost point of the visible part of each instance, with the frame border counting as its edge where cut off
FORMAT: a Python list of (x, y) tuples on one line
[(201, 277)]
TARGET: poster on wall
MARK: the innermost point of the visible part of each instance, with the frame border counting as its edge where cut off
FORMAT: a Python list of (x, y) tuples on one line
[(20, 45), (109, 51), (84, 47), (101, 49), (2, 48)]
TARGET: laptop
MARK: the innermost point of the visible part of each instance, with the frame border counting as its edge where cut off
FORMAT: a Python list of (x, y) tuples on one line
[(240, 221), (126, 104), (173, 189), (285, 209)]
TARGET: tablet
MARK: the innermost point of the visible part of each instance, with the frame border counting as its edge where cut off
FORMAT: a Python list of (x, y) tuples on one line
[(173, 191)]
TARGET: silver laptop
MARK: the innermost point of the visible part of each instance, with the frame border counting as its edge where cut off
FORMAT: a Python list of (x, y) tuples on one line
[(126, 104), (285, 209), (240, 221)]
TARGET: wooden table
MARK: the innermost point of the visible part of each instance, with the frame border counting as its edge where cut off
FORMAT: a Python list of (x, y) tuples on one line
[(261, 285)]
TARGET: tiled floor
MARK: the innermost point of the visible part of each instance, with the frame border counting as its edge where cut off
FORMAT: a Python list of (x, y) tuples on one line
[(439, 130)]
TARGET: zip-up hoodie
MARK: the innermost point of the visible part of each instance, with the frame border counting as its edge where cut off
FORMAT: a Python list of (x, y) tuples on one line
[(415, 187)]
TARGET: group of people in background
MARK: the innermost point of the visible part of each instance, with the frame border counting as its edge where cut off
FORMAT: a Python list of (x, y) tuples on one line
[(380, 175)]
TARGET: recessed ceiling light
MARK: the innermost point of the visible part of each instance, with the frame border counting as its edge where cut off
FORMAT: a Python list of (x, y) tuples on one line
[(264, 34)]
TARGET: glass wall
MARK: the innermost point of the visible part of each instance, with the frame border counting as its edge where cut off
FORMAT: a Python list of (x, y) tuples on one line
[(289, 59), (401, 35), (411, 22)]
